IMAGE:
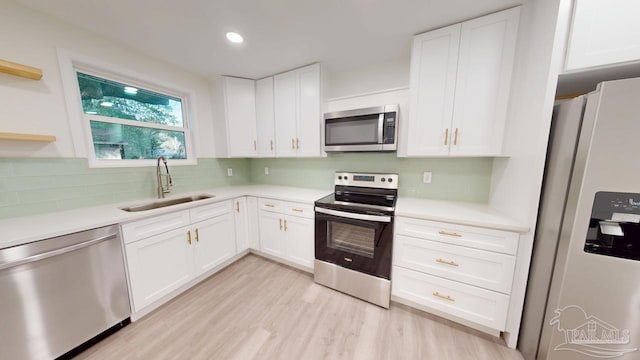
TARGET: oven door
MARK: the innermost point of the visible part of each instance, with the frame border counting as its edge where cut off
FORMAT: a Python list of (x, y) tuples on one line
[(356, 241)]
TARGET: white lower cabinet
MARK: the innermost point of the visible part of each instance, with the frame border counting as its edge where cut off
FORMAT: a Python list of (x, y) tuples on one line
[(166, 260), (285, 236), (463, 271), (240, 214)]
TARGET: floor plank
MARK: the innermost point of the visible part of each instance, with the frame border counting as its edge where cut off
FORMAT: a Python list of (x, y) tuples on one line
[(259, 309)]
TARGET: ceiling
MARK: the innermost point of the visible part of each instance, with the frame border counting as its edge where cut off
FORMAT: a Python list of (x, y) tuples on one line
[(279, 34)]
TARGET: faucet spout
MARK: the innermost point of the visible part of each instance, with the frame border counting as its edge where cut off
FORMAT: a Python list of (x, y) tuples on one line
[(163, 188)]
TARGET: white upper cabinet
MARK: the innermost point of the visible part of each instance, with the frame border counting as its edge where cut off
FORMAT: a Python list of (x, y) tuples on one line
[(297, 112), (603, 33), (459, 87), (240, 117), (265, 118)]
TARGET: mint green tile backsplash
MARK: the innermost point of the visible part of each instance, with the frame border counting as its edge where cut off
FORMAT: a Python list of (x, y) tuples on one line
[(456, 179), (38, 185)]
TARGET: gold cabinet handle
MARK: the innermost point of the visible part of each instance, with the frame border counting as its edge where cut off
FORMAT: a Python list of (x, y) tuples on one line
[(269, 205), (197, 235), (298, 210), (297, 143), (189, 236), (449, 233), (446, 136), (452, 263), (255, 145), (271, 144), (446, 297), (280, 224), (237, 206), (455, 137), (293, 143), (285, 225)]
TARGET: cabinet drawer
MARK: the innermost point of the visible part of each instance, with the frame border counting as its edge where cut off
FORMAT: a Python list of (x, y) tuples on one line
[(155, 225), (301, 210), (485, 269), (209, 211), (479, 238), (271, 205), (467, 302)]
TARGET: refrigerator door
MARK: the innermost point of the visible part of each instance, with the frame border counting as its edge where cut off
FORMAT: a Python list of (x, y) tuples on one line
[(594, 302), (563, 140)]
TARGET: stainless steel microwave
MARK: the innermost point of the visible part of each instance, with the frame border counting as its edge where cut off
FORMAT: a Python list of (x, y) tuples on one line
[(368, 129)]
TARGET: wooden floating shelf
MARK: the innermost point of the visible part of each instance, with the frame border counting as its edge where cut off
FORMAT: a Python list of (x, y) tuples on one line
[(26, 137), (16, 69)]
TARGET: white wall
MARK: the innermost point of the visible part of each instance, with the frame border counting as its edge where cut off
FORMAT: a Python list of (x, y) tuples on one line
[(384, 76), (29, 106), (516, 181)]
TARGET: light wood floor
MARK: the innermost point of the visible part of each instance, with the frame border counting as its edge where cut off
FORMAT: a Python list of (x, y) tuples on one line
[(258, 309)]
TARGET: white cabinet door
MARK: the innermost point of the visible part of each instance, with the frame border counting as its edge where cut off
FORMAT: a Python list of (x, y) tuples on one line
[(285, 113), (299, 240), (483, 82), (603, 33), (434, 60), (308, 110), (159, 265), (241, 216), (272, 233), (240, 110), (253, 222), (265, 118), (215, 241)]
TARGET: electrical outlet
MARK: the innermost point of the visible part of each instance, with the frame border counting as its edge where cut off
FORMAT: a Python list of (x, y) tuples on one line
[(229, 171), (266, 170), (426, 177)]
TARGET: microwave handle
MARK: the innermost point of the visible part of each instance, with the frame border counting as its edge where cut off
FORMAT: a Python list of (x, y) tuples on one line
[(381, 128)]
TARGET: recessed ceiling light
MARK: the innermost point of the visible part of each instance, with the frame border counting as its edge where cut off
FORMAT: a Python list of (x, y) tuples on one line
[(130, 90), (106, 104), (234, 37)]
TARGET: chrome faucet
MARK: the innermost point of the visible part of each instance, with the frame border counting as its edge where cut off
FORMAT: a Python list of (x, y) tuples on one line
[(162, 189)]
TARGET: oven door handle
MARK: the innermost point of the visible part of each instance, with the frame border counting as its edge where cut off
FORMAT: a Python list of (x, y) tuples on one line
[(348, 215)]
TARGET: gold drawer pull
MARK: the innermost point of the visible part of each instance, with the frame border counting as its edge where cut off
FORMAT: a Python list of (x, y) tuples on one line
[(269, 205), (452, 263), (455, 137), (271, 144), (255, 145), (237, 206), (446, 136), (280, 224), (293, 143), (197, 235), (449, 233), (285, 225), (298, 210), (297, 143), (446, 297), (189, 236)]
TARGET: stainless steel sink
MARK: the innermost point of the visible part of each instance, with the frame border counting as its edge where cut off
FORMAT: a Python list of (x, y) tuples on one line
[(163, 203)]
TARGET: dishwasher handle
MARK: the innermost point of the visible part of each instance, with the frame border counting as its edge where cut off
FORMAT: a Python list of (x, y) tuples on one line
[(51, 253)]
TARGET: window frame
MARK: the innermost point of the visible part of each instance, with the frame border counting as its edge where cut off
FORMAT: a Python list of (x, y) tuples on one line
[(80, 123)]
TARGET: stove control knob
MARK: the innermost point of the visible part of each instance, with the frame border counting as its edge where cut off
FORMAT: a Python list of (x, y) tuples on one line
[(382, 179), (339, 177), (390, 180), (346, 177)]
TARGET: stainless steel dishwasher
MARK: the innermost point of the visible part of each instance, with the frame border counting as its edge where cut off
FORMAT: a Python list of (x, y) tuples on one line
[(58, 293)]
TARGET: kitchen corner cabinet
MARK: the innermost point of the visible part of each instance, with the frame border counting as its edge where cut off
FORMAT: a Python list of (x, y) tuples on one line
[(459, 87), (603, 33), (240, 214), (240, 116), (265, 118), (166, 252), (287, 232), (297, 112)]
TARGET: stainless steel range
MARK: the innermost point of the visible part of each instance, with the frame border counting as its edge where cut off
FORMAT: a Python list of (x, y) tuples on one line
[(354, 235)]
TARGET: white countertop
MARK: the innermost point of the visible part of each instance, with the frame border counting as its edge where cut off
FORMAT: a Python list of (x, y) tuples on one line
[(462, 213), (22, 230)]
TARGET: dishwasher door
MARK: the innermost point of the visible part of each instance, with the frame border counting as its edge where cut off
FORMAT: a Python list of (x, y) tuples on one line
[(56, 294)]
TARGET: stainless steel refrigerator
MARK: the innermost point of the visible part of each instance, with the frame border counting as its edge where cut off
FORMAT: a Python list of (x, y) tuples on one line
[(583, 294)]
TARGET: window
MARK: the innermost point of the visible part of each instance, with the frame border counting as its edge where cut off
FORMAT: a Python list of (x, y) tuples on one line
[(126, 124)]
